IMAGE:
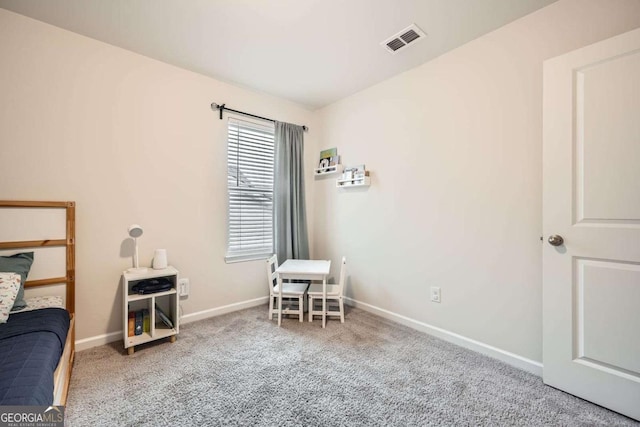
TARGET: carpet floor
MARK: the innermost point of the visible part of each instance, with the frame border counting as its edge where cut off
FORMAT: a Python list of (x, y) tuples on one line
[(240, 369)]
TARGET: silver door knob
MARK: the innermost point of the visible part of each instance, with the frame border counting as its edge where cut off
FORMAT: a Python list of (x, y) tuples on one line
[(555, 240)]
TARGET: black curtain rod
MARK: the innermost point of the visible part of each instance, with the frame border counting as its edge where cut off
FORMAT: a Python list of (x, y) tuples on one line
[(222, 108)]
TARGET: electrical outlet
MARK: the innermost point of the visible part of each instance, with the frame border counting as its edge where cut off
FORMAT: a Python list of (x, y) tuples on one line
[(183, 287), (435, 294)]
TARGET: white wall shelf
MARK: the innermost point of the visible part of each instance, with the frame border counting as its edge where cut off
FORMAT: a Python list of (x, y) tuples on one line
[(329, 170), (350, 183)]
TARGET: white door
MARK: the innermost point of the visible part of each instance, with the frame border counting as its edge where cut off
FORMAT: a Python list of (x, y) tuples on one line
[(591, 198)]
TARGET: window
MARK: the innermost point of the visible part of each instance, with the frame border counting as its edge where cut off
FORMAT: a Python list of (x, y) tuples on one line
[(250, 152)]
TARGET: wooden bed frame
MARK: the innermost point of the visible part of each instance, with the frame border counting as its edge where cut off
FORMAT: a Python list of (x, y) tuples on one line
[(62, 374)]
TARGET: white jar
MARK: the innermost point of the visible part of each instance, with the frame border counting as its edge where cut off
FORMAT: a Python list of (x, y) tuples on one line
[(160, 259)]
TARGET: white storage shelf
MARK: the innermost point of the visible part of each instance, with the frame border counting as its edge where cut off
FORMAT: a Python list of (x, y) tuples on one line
[(167, 301), (329, 170), (356, 182)]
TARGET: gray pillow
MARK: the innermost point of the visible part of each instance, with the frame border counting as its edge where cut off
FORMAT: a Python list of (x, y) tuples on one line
[(21, 264)]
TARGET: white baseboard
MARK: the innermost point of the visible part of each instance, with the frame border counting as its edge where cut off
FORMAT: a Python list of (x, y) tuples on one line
[(212, 312), (103, 339), (512, 359)]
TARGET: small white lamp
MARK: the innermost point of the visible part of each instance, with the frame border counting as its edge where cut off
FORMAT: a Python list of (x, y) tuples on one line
[(136, 231)]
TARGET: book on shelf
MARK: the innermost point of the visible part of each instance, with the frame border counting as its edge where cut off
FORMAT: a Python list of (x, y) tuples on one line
[(359, 175), (353, 174), (328, 158), (139, 321), (146, 321), (138, 328), (132, 323), (328, 153), (163, 317)]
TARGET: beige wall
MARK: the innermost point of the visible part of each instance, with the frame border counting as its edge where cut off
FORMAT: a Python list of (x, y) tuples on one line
[(131, 140), (454, 147)]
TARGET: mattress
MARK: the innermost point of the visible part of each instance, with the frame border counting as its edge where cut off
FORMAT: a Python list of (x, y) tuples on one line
[(31, 344)]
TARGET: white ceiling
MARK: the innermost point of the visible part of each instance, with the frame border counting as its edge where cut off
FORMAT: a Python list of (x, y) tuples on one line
[(312, 52)]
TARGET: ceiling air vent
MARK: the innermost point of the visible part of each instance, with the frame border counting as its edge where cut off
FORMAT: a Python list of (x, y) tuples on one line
[(403, 38)]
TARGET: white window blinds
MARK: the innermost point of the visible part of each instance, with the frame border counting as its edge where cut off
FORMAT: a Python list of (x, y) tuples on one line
[(250, 153)]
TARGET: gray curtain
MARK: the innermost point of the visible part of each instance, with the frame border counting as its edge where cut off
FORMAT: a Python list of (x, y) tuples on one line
[(289, 213)]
